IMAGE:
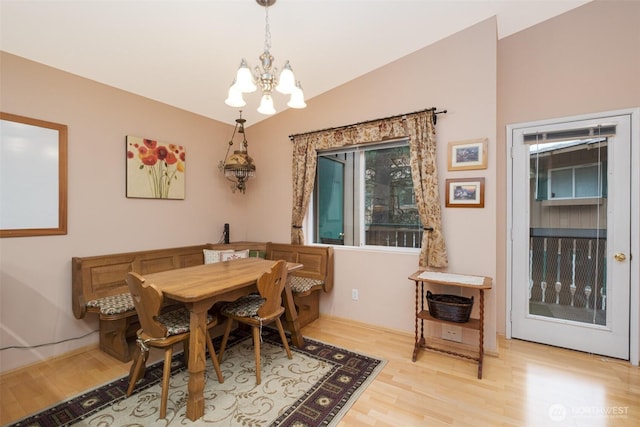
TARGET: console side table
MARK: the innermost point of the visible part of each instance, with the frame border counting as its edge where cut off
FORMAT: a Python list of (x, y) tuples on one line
[(480, 283)]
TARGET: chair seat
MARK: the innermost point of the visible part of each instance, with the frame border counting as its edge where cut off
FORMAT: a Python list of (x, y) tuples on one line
[(177, 321), (115, 304), (246, 306)]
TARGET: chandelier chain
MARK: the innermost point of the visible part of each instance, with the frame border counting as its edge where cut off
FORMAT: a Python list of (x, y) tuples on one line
[(267, 30)]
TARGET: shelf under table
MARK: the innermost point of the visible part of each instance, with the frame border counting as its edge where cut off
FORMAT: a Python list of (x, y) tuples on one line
[(480, 283), (471, 324)]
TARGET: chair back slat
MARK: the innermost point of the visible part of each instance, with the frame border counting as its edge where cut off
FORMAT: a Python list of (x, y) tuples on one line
[(147, 299), (270, 285)]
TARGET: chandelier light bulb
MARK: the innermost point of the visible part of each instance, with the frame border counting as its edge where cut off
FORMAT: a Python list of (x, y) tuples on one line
[(244, 79), (266, 105), (234, 99), (297, 97), (287, 82)]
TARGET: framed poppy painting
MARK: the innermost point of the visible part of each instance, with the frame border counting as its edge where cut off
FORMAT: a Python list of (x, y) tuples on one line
[(155, 170)]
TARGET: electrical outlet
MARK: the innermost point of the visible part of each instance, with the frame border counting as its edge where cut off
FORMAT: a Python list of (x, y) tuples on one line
[(354, 294), (451, 333)]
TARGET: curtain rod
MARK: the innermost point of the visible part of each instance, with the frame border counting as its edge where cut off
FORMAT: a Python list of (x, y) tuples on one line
[(371, 121)]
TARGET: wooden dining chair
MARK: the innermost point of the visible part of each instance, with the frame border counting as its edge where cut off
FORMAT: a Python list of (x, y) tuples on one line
[(260, 309), (160, 330)]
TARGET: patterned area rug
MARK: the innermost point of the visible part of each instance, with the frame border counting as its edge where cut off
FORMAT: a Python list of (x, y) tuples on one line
[(315, 388)]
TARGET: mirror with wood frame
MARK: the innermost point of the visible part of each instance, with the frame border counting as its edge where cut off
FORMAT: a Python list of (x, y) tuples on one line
[(33, 177)]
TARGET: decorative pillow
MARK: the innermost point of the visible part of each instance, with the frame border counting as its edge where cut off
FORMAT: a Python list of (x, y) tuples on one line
[(257, 254), (211, 256), (228, 256)]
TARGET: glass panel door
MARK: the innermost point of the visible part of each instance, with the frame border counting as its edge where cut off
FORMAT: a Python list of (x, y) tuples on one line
[(568, 230), (570, 210)]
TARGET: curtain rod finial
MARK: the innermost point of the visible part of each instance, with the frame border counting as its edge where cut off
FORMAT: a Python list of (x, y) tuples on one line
[(435, 115)]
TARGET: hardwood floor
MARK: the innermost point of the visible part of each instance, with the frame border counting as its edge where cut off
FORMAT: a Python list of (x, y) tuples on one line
[(526, 385)]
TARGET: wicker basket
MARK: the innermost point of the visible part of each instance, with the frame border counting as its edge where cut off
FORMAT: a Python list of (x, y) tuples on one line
[(452, 308)]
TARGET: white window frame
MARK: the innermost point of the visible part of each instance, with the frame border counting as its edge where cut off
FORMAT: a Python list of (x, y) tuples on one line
[(359, 201)]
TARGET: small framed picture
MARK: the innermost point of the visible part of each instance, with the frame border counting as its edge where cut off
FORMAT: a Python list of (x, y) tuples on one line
[(465, 193), (467, 155)]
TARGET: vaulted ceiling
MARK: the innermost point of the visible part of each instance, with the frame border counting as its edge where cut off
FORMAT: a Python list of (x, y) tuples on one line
[(185, 53)]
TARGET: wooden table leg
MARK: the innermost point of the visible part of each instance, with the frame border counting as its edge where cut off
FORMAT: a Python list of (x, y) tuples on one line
[(197, 359), (291, 316)]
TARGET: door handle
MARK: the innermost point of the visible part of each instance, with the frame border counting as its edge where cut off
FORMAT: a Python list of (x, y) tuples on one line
[(619, 256)]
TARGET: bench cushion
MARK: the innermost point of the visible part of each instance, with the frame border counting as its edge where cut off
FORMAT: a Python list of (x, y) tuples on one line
[(300, 285), (115, 304)]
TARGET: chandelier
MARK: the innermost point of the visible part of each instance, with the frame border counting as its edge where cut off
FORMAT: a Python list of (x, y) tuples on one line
[(238, 167), (265, 77)]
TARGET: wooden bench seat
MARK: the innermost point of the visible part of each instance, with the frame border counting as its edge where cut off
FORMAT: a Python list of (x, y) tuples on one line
[(316, 275), (99, 287)]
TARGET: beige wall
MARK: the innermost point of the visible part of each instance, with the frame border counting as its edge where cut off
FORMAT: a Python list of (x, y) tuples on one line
[(456, 74), (102, 220), (584, 61), (528, 76), (35, 279)]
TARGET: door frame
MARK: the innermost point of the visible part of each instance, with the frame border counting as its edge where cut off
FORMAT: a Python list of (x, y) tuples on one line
[(634, 309)]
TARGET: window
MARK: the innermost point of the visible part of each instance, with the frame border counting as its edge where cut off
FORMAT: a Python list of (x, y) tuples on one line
[(575, 182), (573, 171), (364, 196)]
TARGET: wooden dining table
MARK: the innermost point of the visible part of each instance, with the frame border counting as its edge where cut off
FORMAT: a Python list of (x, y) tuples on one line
[(199, 288)]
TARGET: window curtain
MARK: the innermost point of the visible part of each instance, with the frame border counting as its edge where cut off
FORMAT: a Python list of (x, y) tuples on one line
[(420, 129), (422, 149), (305, 159)]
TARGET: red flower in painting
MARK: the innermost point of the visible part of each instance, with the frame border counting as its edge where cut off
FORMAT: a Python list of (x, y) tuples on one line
[(150, 143), (149, 160), (162, 152), (170, 159)]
